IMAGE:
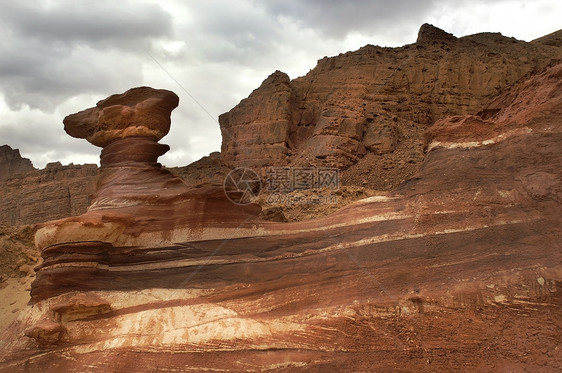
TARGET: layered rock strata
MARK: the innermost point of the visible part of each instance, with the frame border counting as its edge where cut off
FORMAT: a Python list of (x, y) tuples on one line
[(459, 267), (54, 192), (58, 191)]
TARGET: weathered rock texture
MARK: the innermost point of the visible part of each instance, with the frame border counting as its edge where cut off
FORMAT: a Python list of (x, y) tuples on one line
[(368, 109), (140, 112), (51, 193), (458, 267), (365, 111), (18, 255), (58, 191), (12, 163)]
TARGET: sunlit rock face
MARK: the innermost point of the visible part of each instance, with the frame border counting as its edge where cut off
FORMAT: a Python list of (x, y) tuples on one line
[(457, 267)]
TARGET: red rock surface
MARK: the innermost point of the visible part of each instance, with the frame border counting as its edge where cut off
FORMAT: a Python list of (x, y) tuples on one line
[(58, 191), (54, 192), (368, 109), (457, 269), (141, 111)]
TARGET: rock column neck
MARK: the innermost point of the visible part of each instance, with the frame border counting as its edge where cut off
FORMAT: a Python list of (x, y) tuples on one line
[(131, 175), (132, 152)]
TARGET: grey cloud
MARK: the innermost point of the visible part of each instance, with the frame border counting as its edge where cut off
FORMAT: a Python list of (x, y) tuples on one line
[(229, 32), (43, 79), (36, 138), (336, 19), (51, 53), (109, 23)]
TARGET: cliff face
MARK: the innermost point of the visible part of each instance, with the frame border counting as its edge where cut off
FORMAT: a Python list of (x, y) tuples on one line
[(458, 267), (364, 112), (371, 107), (12, 163), (51, 193)]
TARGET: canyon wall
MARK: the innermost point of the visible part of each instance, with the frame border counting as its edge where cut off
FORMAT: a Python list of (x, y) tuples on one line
[(364, 112), (51, 193), (457, 265), (460, 266), (367, 109)]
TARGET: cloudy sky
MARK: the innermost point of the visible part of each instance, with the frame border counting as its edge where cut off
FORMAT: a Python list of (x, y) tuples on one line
[(58, 57)]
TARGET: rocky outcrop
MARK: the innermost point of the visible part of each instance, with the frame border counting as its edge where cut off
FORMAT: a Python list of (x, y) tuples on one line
[(136, 201), (459, 266), (371, 106), (266, 119), (61, 191), (12, 163), (54, 192)]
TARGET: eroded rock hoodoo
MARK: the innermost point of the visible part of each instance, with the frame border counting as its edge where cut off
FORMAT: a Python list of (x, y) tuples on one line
[(128, 127), (136, 203)]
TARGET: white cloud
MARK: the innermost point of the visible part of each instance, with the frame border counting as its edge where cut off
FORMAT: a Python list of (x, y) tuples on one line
[(524, 20)]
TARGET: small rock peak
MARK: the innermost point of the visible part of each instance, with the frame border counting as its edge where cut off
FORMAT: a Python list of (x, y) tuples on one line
[(277, 77), (7, 149), (53, 165), (430, 34), (553, 39), (278, 81)]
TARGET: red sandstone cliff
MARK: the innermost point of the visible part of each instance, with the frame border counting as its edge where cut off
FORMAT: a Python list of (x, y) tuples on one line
[(12, 163), (368, 109), (32, 196), (457, 268), (51, 193)]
